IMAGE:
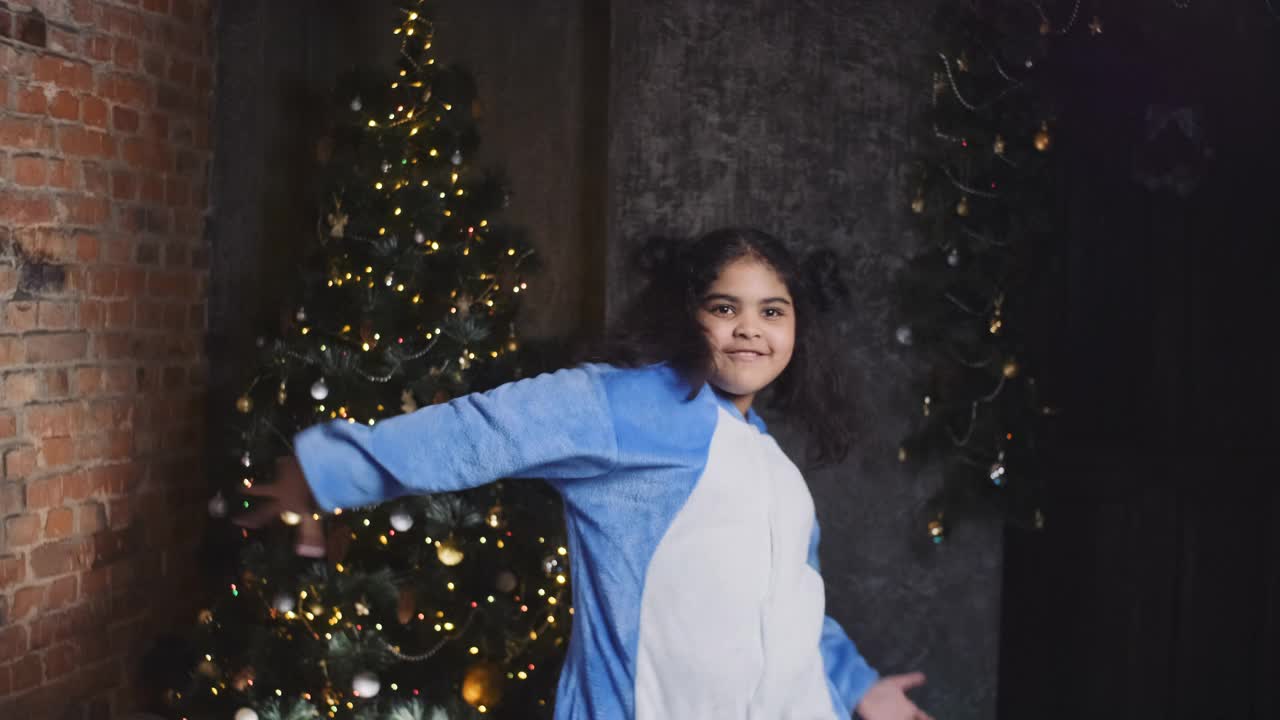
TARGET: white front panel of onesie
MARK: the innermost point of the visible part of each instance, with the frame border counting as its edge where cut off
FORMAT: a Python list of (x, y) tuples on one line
[(732, 613)]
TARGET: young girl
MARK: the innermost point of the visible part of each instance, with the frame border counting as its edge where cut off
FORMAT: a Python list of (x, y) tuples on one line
[(695, 575)]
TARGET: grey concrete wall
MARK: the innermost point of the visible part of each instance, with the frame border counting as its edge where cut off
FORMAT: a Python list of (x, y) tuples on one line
[(793, 116)]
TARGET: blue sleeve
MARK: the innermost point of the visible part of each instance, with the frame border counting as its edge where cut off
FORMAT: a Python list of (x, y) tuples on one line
[(553, 426), (848, 674)]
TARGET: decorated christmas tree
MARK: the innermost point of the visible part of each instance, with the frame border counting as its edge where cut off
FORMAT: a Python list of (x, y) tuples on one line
[(428, 607), (983, 197)]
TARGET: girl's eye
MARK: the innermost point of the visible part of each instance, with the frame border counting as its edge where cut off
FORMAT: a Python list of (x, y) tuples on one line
[(772, 312), (722, 309)]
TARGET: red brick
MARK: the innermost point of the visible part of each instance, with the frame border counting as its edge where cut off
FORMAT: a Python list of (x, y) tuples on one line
[(102, 282), (86, 247), (25, 134), (124, 119), (25, 601), (6, 680), (25, 209), (13, 570), (56, 315), (8, 283), (19, 462), (27, 673), (88, 379), (70, 74), (156, 6), (119, 21), (20, 388), (113, 346), (8, 425), (95, 178), (99, 47), (13, 640), (80, 210), (19, 316), (57, 452), (124, 185), (56, 347), (65, 106), (152, 189), (129, 281), (57, 526), (56, 383), (60, 558), (120, 315), (52, 420), (94, 111), (60, 660), (61, 174), (126, 54), (29, 170), (78, 141), (158, 126), (78, 485), (32, 100), (92, 518), (177, 192), (44, 493), (22, 530), (120, 88)]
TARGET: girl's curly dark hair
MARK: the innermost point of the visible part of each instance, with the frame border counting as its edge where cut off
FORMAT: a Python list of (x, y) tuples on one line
[(812, 389)]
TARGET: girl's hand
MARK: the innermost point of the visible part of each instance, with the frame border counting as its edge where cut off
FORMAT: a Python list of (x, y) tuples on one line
[(887, 699), (288, 498)]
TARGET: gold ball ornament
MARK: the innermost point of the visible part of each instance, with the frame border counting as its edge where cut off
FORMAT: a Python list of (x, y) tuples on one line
[(449, 552), (208, 668), (962, 207), (482, 685), (496, 518), (1045, 28), (244, 404), (1011, 368), (1043, 140), (917, 205), (1039, 519), (205, 616), (998, 145), (1095, 26), (937, 530), (282, 395)]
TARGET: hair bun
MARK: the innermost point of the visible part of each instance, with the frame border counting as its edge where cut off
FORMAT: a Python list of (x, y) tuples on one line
[(821, 270)]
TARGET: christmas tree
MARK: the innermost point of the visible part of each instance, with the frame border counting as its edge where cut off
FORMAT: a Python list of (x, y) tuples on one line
[(983, 199), (430, 607)]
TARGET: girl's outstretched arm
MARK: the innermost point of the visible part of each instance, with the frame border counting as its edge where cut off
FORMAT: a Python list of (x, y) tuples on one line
[(553, 426)]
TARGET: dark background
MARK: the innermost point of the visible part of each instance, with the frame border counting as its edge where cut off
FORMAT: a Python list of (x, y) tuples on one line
[(1154, 590)]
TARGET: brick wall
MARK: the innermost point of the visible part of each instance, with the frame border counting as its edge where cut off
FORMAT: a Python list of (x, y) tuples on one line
[(104, 147)]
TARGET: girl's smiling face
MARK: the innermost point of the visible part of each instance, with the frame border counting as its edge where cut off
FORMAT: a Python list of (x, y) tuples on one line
[(749, 319)]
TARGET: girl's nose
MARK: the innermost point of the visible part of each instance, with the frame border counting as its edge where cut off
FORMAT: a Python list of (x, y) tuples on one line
[(746, 330)]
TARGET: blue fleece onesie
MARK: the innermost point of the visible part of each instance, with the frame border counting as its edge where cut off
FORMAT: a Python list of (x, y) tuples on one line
[(694, 541)]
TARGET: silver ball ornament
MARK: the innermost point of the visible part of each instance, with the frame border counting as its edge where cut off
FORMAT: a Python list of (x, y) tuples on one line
[(218, 506), (456, 158), (357, 104), (401, 521), (904, 335), (245, 713), (365, 684), (319, 390), (283, 602)]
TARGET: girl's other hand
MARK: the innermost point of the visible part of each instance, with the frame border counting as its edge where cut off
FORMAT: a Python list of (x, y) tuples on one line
[(290, 493), (887, 699)]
